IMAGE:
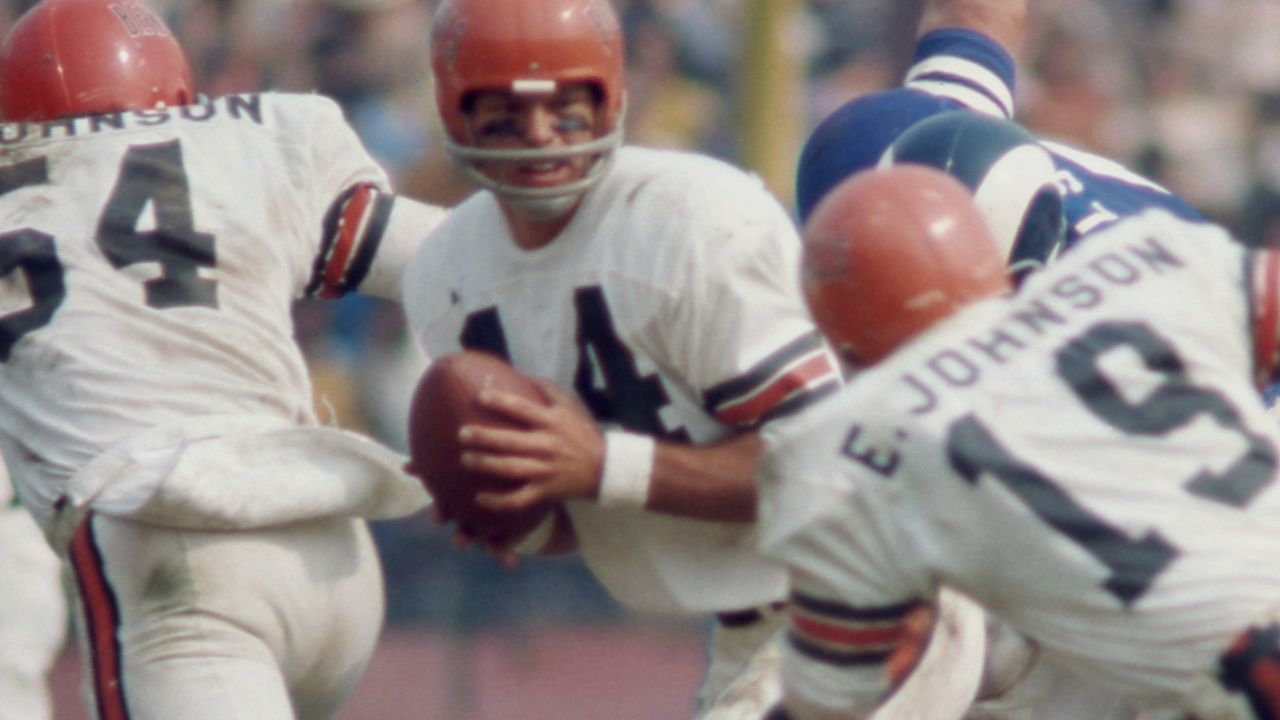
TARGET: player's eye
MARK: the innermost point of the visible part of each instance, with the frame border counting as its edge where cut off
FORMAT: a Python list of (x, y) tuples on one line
[(566, 124), (500, 129)]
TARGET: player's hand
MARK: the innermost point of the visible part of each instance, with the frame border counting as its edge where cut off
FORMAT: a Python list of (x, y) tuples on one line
[(558, 456), (464, 537)]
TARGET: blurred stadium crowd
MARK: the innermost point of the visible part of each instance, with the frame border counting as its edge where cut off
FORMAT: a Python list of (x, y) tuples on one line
[(1186, 92)]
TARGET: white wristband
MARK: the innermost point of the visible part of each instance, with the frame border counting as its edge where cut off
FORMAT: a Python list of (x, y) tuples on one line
[(628, 466)]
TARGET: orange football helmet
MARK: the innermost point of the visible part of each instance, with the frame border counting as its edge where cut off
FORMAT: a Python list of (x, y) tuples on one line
[(65, 58), (891, 251), (522, 46)]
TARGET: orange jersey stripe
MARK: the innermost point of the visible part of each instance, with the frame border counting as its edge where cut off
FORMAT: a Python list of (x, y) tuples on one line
[(349, 226), (101, 620), (755, 407), (854, 638), (1266, 315)]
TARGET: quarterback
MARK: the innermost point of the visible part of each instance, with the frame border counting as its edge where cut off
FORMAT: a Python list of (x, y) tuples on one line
[(659, 287)]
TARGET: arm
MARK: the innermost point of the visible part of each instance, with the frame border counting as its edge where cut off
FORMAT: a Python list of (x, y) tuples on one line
[(408, 223), (565, 456), (1004, 21), (368, 237), (964, 59), (869, 630), (911, 659), (364, 234), (741, 337), (718, 479)]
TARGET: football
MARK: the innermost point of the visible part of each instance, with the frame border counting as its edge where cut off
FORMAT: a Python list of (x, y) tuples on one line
[(446, 398)]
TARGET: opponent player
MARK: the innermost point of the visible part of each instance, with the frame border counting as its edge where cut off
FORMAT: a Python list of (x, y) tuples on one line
[(963, 60), (33, 617), (1089, 459), (155, 409), (963, 66)]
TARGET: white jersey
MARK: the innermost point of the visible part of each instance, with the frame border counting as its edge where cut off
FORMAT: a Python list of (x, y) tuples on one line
[(150, 260), (1089, 460), (670, 305)]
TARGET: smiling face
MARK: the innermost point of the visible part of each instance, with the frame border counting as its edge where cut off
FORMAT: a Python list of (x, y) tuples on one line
[(545, 122), (531, 96)]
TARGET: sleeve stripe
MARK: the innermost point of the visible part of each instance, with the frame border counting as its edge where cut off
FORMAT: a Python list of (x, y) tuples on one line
[(863, 638), (838, 658), (1266, 315), (969, 57), (974, 100), (963, 81), (353, 228), (370, 241), (796, 379), (843, 635), (800, 401), (752, 395)]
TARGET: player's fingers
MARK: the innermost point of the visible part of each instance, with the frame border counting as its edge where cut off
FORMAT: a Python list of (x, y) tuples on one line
[(512, 467), (519, 499), (513, 406), (504, 440)]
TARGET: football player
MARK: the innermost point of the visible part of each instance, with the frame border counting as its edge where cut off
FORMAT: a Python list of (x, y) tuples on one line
[(1089, 458), (155, 408), (952, 112), (659, 288), (964, 59), (33, 618)]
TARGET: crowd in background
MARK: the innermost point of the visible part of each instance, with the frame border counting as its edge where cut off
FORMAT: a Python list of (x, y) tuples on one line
[(1187, 93)]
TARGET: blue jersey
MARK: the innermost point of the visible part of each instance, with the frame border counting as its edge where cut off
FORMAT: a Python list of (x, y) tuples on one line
[(1097, 192), (961, 69), (952, 69)]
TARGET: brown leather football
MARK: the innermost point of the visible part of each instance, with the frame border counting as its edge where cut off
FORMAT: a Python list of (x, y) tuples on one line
[(445, 399)]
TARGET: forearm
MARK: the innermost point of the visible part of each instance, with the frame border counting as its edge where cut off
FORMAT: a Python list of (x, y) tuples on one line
[(406, 226), (560, 454), (1001, 20), (713, 482)]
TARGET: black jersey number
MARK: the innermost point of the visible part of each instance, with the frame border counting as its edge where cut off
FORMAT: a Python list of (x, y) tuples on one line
[(148, 174), (33, 254), (606, 378), (1133, 563), (155, 174)]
